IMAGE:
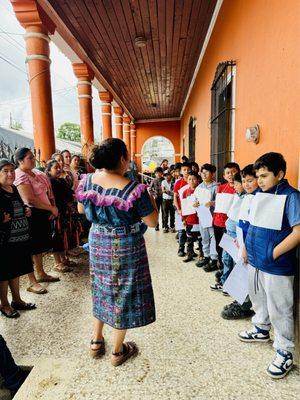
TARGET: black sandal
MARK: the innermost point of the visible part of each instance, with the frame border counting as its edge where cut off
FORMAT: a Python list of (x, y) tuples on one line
[(130, 349), (13, 314), (97, 353), (23, 306)]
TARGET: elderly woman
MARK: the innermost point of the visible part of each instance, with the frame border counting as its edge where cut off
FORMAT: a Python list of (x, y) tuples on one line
[(35, 190), (14, 242), (121, 282)]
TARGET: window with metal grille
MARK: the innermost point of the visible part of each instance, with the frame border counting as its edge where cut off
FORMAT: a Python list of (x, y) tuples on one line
[(192, 139), (221, 117)]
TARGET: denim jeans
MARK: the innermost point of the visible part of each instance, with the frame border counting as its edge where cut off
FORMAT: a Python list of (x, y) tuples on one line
[(10, 372), (182, 239), (191, 238)]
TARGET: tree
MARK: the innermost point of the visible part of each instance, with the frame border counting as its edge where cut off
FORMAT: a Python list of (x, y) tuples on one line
[(69, 131)]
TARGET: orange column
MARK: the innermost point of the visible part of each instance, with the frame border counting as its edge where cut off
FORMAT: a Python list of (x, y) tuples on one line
[(84, 86), (118, 111), (38, 61), (126, 132), (132, 140), (106, 99)]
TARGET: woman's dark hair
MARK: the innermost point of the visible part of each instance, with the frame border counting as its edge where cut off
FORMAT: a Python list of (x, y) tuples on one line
[(274, 162), (65, 151), (4, 162), (209, 167), (237, 177), (58, 153), (20, 154), (108, 154), (75, 156), (49, 165), (248, 171), (164, 161), (184, 159)]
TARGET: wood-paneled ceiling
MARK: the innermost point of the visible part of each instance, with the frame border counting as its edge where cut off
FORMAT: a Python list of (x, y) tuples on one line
[(152, 81)]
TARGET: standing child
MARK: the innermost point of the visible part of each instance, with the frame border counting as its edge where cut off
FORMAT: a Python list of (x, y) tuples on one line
[(231, 224), (156, 190), (167, 203), (191, 220), (235, 310), (179, 184), (270, 251), (208, 172), (219, 219)]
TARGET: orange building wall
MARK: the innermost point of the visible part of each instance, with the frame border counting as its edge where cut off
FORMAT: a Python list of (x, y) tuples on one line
[(168, 129), (262, 36)]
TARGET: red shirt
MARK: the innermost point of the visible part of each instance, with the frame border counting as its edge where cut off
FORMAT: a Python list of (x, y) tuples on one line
[(180, 183), (219, 219), (193, 218)]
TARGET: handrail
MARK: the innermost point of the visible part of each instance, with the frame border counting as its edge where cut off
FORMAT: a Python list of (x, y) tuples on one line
[(146, 176)]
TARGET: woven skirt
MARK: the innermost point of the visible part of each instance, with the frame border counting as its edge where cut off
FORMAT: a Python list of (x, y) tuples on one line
[(121, 282)]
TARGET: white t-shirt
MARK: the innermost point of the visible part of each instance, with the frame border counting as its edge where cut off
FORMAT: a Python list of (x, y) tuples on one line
[(167, 186)]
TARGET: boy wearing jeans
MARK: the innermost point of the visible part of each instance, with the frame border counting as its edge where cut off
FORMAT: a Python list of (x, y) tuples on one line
[(207, 234), (270, 251), (167, 203)]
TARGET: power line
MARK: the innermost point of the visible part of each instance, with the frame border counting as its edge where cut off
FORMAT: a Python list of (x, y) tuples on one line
[(13, 64)]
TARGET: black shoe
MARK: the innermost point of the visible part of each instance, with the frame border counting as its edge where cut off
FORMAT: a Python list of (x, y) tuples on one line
[(203, 262), (211, 266), (181, 253), (177, 236), (218, 275), (194, 254), (166, 230), (189, 258), (236, 311), (157, 228)]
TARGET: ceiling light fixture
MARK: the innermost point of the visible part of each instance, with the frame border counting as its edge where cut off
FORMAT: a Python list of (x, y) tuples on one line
[(140, 41)]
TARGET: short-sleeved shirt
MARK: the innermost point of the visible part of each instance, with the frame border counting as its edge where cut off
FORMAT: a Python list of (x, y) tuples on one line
[(39, 183), (167, 186), (179, 184), (193, 218), (219, 219), (114, 207)]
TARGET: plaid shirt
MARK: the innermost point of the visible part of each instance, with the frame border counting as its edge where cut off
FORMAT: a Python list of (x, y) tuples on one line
[(155, 187)]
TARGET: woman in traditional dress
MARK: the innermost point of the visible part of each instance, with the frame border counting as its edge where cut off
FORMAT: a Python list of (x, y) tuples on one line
[(35, 190), (14, 242), (121, 282)]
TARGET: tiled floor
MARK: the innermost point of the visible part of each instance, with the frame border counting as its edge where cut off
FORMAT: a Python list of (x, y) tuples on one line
[(189, 353)]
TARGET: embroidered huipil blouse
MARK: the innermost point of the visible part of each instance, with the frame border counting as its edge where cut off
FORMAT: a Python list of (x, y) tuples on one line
[(114, 207)]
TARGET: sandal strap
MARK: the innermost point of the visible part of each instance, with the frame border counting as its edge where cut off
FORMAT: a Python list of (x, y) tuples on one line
[(97, 341), (124, 352)]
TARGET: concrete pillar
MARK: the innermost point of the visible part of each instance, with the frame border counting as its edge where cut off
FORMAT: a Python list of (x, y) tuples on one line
[(106, 99), (132, 140), (126, 132), (38, 61), (118, 111), (84, 87)]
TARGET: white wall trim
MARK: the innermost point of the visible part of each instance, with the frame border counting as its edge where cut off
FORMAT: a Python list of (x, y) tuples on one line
[(203, 50)]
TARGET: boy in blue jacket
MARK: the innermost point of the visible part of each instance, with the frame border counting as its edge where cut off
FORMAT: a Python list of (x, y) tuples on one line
[(270, 250)]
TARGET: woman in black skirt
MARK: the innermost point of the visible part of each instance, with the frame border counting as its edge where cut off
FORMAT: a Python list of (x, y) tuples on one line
[(14, 242), (35, 190)]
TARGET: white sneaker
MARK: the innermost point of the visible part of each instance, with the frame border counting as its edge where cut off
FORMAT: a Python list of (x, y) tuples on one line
[(254, 336), (281, 365)]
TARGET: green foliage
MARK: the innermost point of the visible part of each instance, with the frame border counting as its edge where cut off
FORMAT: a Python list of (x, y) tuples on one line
[(16, 125), (69, 131)]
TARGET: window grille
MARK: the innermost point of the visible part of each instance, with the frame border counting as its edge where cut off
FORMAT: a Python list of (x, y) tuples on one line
[(221, 116), (192, 139)]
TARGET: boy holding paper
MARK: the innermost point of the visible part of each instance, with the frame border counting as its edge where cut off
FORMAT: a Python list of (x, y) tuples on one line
[(236, 310), (224, 198), (190, 220), (231, 224), (270, 251), (205, 194), (179, 185)]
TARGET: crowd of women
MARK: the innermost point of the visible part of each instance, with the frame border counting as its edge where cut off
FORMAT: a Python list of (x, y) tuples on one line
[(38, 214)]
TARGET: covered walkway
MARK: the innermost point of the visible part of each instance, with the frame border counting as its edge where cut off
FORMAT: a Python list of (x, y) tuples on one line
[(189, 353)]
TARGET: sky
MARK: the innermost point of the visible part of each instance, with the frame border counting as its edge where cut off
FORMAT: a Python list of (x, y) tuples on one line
[(14, 87)]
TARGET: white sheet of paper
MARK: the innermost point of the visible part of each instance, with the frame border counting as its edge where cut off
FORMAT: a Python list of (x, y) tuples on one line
[(187, 207), (178, 222), (205, 217), (267, 210), (202, 195), (195, 228), (237, 282), (234, 210), (223, 202), (227, 243), (180, 191), (240, 240), (245, 207)]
